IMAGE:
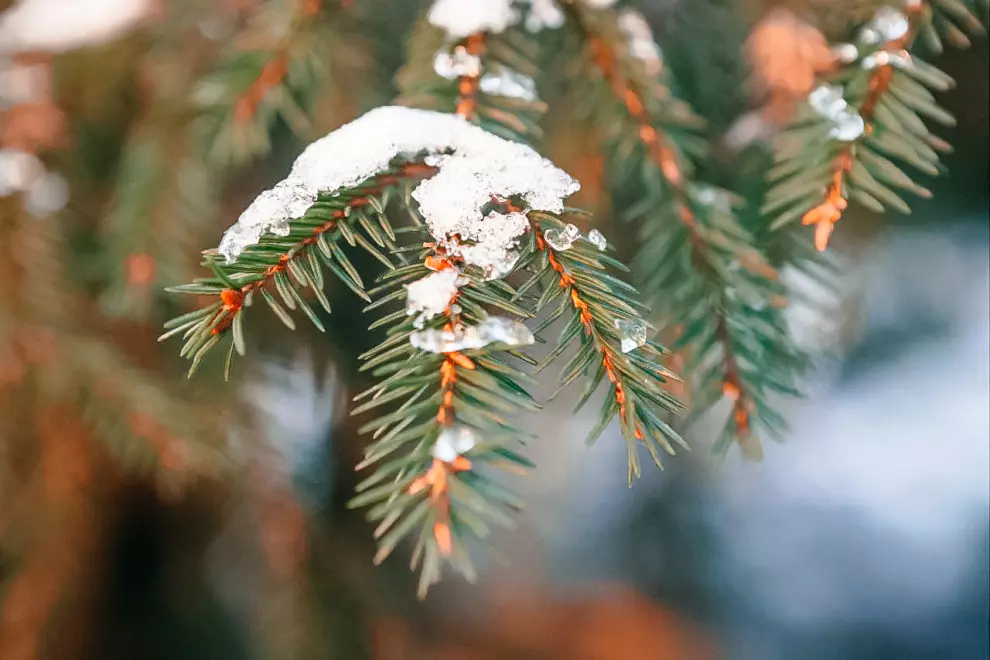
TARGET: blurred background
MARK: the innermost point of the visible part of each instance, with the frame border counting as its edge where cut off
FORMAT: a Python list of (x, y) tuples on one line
[(146, 516)]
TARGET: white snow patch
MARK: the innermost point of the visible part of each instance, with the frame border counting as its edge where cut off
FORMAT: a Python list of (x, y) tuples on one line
[(429, 296), (473, 165), (58, 25), (461, 18)]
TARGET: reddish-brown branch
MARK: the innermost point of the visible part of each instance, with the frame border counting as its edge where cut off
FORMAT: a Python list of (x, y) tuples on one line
[(233, 299), (273, 72), (608, 354), (825, 215), (467, 86), (437, 476), (665, 158)]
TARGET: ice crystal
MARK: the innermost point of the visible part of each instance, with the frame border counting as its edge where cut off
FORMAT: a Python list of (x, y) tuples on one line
[(632, 332), (901, 60), (848, 125), (562, 239), (454, 441), (493, 330), (597, 239), (54, 26), (458, 63), (472, 166), (430, 295), (460, 18), (507, 82), (828, 101), (846, 53), (888, 24)]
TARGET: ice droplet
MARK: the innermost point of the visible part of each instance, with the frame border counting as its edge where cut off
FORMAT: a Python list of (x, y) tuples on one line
[(458, 63), (454, 441), (632, 332), (888, 24), (597, 239), (846, 53), (493, 330), (558, 239), (509, 83), (827, 100), (849, 125)]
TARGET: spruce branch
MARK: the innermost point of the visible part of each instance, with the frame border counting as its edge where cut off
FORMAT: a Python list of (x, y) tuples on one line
[(453, 415), (279, 268), (713, 281), (849, 136), (489, 79), (603, 316), (272, 73)]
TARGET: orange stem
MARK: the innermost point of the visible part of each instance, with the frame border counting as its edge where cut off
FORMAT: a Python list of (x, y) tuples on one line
[(665, 158), (233, 299), (825, 215)]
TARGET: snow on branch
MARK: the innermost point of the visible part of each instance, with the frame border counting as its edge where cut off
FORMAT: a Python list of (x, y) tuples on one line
[(461, 18), (53, 26), (472, 167)]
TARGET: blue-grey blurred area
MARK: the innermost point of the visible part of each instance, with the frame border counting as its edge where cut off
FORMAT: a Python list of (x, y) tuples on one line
[(864, 535)]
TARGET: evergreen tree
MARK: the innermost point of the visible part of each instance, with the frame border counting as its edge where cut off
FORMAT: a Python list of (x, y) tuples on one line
[(454, 214)]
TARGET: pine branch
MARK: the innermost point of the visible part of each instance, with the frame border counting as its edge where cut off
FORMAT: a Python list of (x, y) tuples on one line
[(712, 279), (488, 79), (454, 415), (870, 117), (272, 74), (604, 318), (288, 264)]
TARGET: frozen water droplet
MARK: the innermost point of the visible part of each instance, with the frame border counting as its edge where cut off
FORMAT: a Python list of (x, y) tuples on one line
[(849, 126), (597, 239), (572, 232), (558, 239), (456, 309), (458, 63), (501, 266), (827, 100), (632, 332), (846, 53), (454, 441), (509, 83), (502, 330), (493, 330), (889, 24)]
